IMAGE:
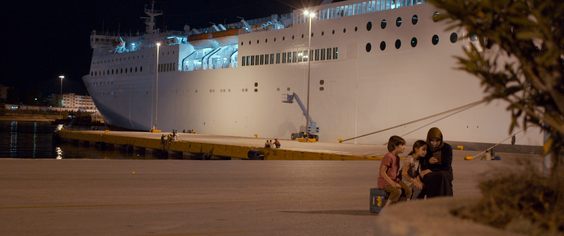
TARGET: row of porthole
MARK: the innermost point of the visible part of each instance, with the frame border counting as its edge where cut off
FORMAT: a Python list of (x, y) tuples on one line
[(383, 24), (127, 58), (117, 71), (434, 41)]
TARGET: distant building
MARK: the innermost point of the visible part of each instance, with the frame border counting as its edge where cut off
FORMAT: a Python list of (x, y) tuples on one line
[(3, 92), (74, 102)]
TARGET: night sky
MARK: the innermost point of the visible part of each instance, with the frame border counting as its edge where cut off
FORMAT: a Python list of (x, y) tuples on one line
[(45, 39)]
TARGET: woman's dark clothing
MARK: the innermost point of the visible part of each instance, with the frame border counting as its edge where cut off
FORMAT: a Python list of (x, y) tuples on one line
[(438, 182)]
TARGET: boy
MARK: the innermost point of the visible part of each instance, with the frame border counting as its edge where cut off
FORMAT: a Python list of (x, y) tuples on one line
[(388, 178)]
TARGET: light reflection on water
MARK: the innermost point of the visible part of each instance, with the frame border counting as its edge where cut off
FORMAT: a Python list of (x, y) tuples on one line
[(27, 139)]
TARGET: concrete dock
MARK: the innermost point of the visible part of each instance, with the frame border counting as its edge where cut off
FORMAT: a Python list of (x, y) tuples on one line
[(187, 197), (234, 147)]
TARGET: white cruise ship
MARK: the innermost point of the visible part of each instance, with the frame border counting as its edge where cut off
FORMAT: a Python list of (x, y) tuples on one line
[(383, 67)]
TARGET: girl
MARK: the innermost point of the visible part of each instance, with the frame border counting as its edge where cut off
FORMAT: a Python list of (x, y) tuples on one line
[(411, 169)]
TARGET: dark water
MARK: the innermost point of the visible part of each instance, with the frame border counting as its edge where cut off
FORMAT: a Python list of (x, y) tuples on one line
[(28, 139)]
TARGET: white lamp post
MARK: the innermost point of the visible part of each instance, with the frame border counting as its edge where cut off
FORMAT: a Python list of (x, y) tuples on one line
[(157, 87), (310, 15), (60, 108)]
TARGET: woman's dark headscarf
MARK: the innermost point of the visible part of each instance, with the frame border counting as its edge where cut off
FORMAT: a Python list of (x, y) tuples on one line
[(435, 133)]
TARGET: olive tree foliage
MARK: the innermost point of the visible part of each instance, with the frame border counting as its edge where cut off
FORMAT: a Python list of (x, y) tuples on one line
[(522, 60)]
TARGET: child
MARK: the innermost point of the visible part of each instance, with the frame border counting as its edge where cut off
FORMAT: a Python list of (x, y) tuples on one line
[(411, 169), (388, 179)]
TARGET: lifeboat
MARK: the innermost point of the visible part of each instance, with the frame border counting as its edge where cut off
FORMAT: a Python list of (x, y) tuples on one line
[(227, 37), (204, 40)]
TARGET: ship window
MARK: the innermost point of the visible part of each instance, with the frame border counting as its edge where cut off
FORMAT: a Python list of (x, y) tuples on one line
[(294, 56), (368, 25), (355, 29), (272, 58), (266, 59), (262, 59), (414, 42), (249, 42), (435, 39), (383, 46), (141, 69), (321, 88), (398, 44), (256, 84), (398, 22), (283, 38), (312, 34), (335, 52), (435, 16), (283, 57), (344, 30), (256, 60), (333, 31), (130, 69), (328, 53), (135, 69), (305, 55), (453, 37), (323, 54), (322, 33), (252, 60), (302, 36), (277, 58), (274, 39), (317, 54), (414, 19), (292, 37), (368, 47), (243, 61), (383, 24), (266, 40), (300, 56), (249, 60), (241, 43), (121, 71), (257, 41)]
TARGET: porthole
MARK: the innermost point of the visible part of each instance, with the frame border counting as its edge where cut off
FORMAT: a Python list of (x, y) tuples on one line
[(321, 89), (344, 30), (368, 47), (436, 16), (256, 90), (274, 39), (435, 39), (292, 37), (312, 35), (249, 42), (258, 41), (277, 89), (355, 29), (414, 42), (453, 37), (369, 26), (256, 84), (266, 40), (383, 24), (382, 45), (398, 22), (283, 38), (333, 31), (288, 89), (322, 33), (141, 69), (302, 36), (321, 82), (414, 19), (398, 44)]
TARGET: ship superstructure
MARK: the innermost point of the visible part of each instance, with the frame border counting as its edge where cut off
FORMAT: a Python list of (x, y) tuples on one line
[(373, 65)]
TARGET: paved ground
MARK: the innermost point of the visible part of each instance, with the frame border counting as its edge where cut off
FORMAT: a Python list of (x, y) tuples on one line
[(180, 197)]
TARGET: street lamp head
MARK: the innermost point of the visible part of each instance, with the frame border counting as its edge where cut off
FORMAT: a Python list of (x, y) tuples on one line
[(61, 77), (309, 14), (158, 44)]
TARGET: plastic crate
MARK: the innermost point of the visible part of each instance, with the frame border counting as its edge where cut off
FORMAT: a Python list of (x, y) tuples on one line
[(378, 198)]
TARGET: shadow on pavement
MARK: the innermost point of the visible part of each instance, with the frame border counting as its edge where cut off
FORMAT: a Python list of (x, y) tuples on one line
[(337, 212)]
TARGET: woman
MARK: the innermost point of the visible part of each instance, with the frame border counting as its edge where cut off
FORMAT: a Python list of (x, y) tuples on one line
[(437, 166)]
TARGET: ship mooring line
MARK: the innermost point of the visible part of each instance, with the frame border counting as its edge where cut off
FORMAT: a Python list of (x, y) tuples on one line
[(467, 106)]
